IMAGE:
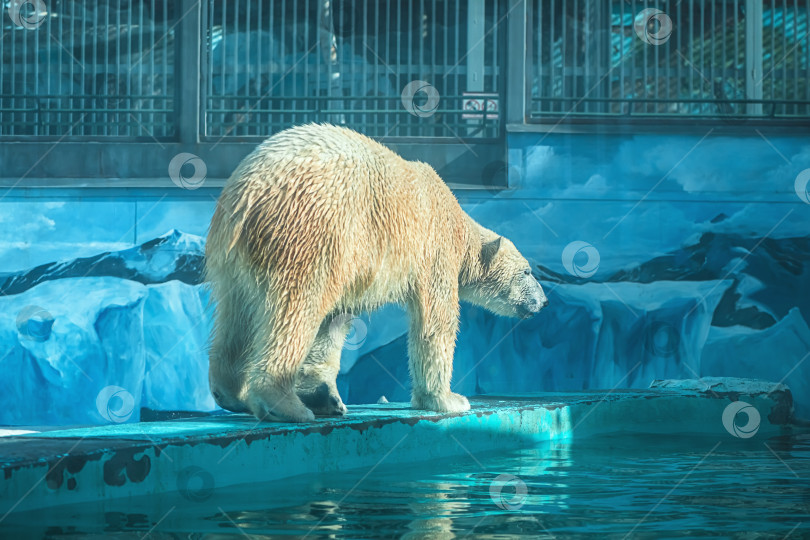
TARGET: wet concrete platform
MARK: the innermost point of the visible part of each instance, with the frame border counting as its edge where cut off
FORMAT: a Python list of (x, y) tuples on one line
[(85, 464)]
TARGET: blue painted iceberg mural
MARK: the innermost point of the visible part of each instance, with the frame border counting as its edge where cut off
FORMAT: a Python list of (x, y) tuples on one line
[(101, 338)]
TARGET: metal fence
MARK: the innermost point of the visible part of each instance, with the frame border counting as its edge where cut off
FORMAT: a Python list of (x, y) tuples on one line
[(398, 68), (96, 69), (106, 68), (733, 59)]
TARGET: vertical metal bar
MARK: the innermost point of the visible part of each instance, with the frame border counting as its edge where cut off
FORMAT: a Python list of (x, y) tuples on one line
[(411, 65), (152, 75), (285, 118), (622, 90), (24, 74), (166, 70), (187, 72), (239, 68), (551, 67), (122, 119), (223, 62), (514, 94), (691, 72), (539, 75), (736, 66), (725, 38), (456, 60), (274, 72), (493, 64), (798, 59), (786, 61), (248, 65), (144, 70), (208, 119), (104, 97), (36, 69), (263, 117), (475, 51), (294, 75), (367, 70), (772, 71), (388, 118), (753, 55), (566, 69)]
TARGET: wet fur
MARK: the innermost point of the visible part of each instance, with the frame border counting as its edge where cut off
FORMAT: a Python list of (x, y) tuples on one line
[(319, 222)]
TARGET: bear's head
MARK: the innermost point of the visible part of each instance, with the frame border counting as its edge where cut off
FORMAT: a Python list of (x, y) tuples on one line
[(503, 283)]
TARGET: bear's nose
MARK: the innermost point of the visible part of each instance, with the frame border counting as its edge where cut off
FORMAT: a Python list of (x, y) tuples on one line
[(536, 304)]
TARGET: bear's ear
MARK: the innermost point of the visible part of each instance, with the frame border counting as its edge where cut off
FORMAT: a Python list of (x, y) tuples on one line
[(489, 250)]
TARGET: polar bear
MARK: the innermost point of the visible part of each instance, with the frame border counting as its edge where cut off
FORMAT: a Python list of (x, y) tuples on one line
[(320, 222)]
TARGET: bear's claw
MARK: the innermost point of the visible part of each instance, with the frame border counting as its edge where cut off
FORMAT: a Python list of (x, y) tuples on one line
[(450, 402)]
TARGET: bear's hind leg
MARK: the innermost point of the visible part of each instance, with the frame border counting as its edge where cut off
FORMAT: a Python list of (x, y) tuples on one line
[(431, 344), (315, 383), (277, 351), (233, 324)]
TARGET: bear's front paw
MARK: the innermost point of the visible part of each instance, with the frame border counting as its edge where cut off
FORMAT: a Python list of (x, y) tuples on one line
[(323, 400), (449, 402), (276, 405)]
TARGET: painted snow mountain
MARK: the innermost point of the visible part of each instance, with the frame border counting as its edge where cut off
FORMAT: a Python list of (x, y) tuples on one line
[(769, 275), (174, 255)]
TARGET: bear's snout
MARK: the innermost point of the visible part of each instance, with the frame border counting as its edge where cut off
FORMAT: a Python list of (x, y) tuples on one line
[(537, 300), (534, 305)]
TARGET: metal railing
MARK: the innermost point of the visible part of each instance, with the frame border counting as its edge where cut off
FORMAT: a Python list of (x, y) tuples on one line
[(87, 69), (732, 59), (107, 69), (398, 68)]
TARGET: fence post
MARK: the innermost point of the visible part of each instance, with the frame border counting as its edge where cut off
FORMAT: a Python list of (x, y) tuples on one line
[(753, 55), (516, 66), (187, 72)]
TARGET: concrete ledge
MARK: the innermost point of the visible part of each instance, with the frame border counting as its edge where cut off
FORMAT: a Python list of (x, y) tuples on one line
[(69, 466)]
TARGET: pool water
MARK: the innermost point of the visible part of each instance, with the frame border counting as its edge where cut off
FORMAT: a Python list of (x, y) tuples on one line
[(618, 486)]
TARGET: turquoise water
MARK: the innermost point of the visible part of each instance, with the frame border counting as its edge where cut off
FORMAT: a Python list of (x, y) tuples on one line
[(621, 486)]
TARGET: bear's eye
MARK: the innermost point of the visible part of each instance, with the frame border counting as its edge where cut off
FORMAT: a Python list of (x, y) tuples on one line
[(528, 271)]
